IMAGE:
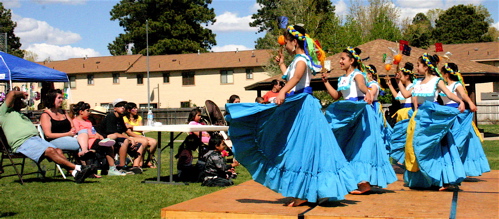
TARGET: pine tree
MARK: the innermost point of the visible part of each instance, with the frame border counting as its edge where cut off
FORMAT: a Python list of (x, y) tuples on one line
[(175, 26)]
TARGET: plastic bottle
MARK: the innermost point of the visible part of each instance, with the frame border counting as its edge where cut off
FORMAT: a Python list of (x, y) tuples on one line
[(93, 130), (150, 118)]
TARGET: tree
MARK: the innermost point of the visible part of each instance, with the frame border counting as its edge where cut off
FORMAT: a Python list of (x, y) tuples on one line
[(377, 20), (461, 24), (175, 26), (317, 17), (30, 55), (7, 26), (419, 32)]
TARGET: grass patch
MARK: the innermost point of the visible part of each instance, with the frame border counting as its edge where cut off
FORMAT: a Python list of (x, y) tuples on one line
[(108, 197)]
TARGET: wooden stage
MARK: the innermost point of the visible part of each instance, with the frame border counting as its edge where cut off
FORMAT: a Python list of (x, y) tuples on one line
[(477, 197)]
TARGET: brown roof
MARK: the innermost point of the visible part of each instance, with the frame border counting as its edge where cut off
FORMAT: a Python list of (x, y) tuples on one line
[(471, 51), (375, 50), (93, 64), (213, 60)]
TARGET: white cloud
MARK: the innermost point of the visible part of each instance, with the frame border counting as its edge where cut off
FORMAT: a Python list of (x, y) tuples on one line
[(341, 8), (45, 51), (35, 31), (496, 25), (255, 8), (69, 2), (229, 48), (11, 4), (419, 4), (229, 22), (411, 12)]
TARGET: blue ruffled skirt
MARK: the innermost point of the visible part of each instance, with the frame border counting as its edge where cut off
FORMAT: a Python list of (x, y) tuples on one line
[(398, 139), (357, 129), (438, 159), (290, 149), (469, 145)]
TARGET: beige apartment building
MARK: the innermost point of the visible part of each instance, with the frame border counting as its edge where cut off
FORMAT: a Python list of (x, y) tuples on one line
[(183, 80)]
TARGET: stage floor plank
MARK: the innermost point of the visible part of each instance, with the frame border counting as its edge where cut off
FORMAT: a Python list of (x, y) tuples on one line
[(476, 199)]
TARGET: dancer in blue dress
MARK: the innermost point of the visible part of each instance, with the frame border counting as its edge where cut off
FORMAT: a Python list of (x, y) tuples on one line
[(287, 146), (431, 161), (464, 132), (355, 126), (374, 87), (405, 78)]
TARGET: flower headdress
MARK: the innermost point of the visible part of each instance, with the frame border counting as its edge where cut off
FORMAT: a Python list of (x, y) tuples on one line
[(371, 70), (313, 49), (431, 65), (457, 73)]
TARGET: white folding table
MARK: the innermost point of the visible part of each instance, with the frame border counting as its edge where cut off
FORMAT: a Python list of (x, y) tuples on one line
[(172, 129)]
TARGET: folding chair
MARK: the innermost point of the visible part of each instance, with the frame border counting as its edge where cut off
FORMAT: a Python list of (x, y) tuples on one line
[(7, 154), (57, 166)]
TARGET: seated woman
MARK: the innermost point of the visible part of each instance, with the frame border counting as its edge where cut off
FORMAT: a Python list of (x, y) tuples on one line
[(57, 127), (132, 119)]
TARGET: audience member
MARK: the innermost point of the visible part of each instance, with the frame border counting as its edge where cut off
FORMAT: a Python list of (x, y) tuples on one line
[(56, 125), (114, 127), (22, 137), (104, 156), (217, 172), (270, 96), (234, 99), (186, 171), (132, 119)]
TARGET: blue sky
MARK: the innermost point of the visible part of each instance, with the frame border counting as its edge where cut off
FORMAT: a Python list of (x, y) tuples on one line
[(62, 29)]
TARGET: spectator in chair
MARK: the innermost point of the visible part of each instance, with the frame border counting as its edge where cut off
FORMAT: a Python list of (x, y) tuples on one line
[(58, 127), (114, 127), (22, 136), (132, 119)]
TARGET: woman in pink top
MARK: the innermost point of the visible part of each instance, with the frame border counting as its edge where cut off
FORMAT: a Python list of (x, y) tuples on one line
[(86, 134)]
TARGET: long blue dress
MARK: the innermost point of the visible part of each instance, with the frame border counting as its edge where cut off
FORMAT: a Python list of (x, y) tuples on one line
[(465, 137), (356, 126), (431, 159), (289, 149), (469, 145)]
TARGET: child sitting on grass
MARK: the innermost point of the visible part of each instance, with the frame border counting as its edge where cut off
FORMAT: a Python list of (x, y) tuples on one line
[(186, 171), (217, 172)]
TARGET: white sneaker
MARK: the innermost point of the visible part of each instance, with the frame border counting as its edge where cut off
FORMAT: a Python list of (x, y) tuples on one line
[(107, 142), (126, 172), (115, 172)]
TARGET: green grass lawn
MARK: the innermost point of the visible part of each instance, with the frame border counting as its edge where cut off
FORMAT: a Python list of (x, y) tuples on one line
[(120, 196)]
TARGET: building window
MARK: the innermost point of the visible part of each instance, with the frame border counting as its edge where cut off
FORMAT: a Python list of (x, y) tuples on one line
[(227, 76), (187, 78), (116, 78), (185, 104), (140, 79), (166, 77), (90, 79), (144, 106), (249, 73), (72, 82)]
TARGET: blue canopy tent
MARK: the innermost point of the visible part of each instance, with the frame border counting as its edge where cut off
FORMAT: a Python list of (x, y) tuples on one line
[(15, 69)]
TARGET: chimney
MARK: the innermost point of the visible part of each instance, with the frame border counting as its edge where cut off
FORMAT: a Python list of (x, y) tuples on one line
[(237, 50), (252, 53), (198, 52)]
